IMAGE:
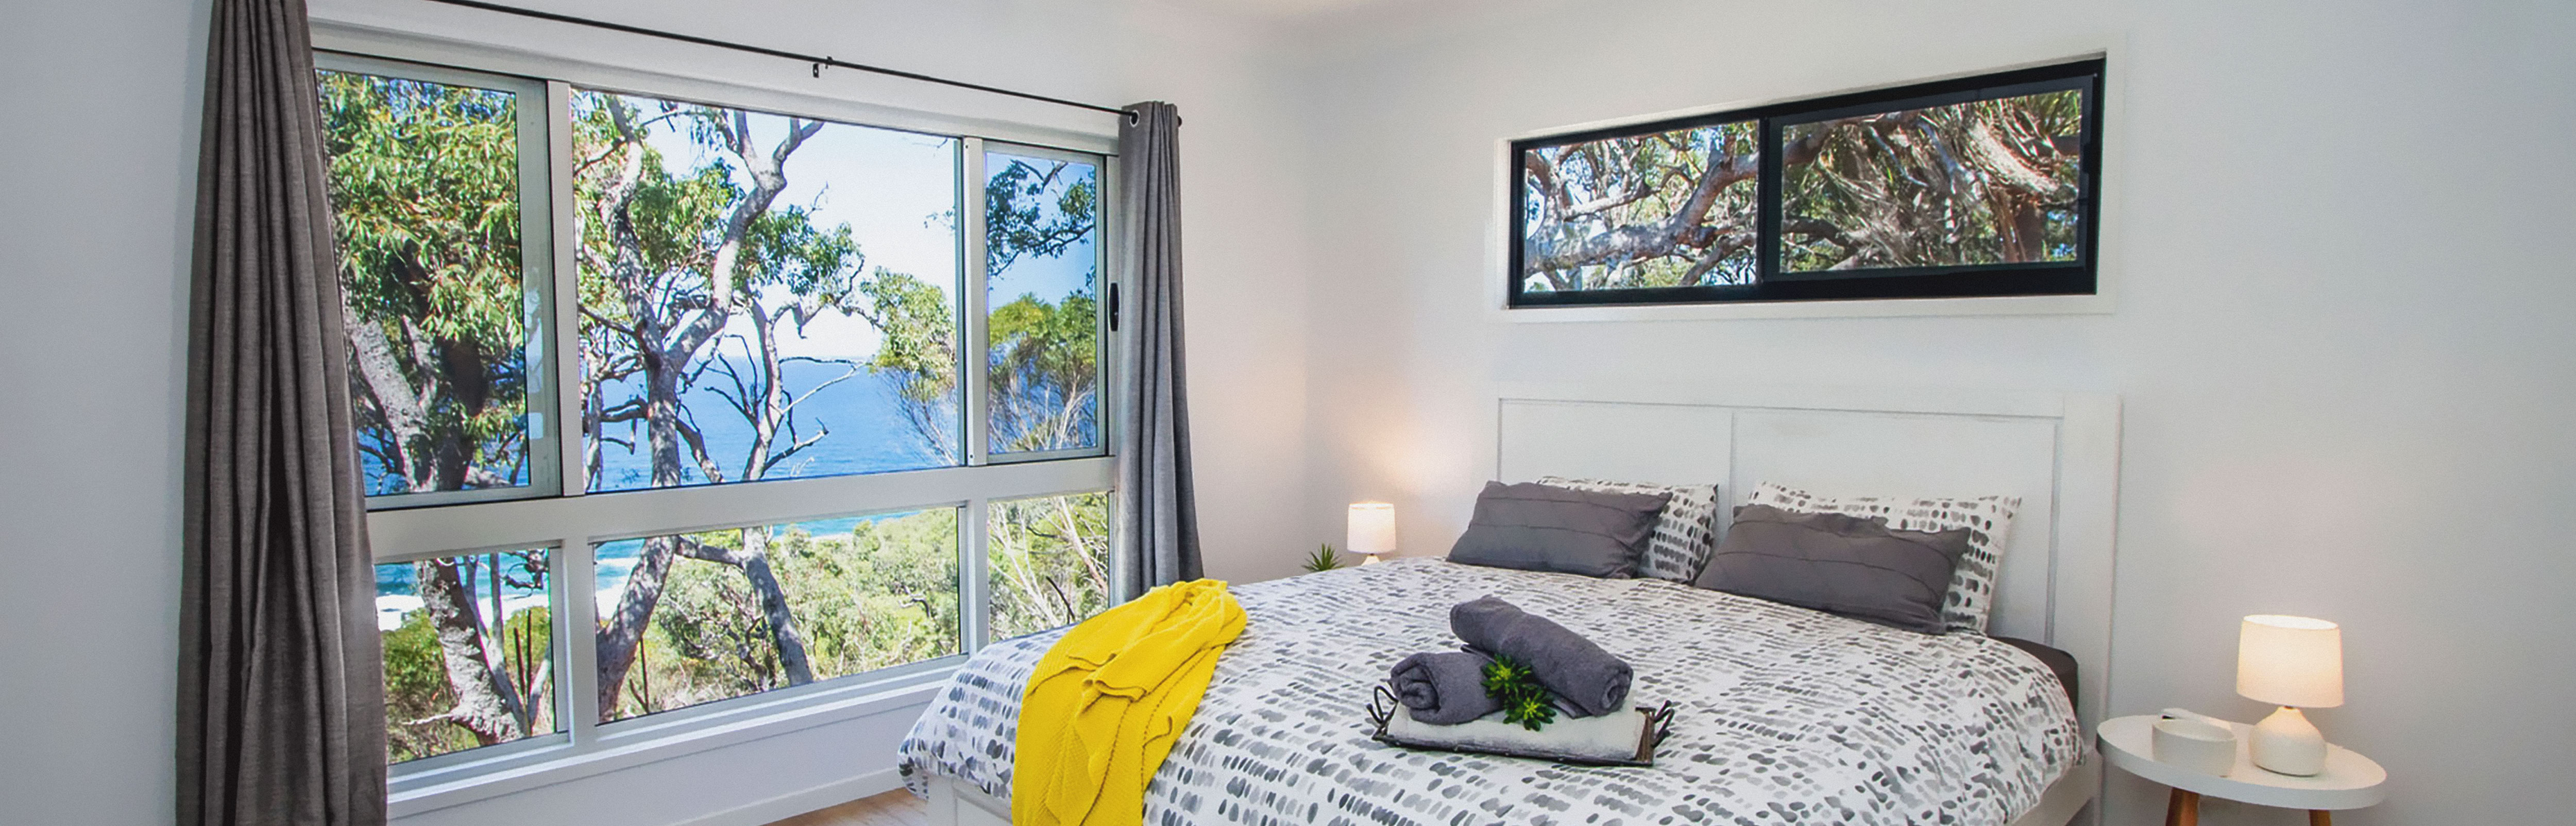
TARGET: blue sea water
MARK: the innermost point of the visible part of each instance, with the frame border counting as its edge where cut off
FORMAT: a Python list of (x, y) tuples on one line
[(863, 415), (867, 433)]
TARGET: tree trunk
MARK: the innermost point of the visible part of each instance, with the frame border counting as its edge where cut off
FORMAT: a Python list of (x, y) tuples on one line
[(622, 633), (380, 380), (486, 703), (754, 562), (666, 350)]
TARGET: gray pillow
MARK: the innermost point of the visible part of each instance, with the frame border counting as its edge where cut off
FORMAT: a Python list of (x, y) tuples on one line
[(1535, 527), (1839, 564), (1684, 534)]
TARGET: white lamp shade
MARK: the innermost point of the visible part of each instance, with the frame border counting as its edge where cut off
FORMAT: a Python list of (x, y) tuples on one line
[(1372, 528), (2290, 661)]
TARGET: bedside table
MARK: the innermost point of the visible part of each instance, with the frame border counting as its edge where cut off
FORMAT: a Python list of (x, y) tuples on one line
[(2350, 780)]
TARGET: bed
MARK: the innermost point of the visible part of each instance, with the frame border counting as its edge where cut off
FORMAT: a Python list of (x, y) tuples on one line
[(1785, 715)]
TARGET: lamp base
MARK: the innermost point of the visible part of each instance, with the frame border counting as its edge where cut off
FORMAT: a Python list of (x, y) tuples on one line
[(1370, 559), (2286, 743)]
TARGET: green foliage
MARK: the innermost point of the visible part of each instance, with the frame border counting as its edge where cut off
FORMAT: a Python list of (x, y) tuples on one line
[(710, 624), (1049, 559), (1044, 371), (1017, 219), (1986, 182), (1587, 193), (919, 349), (881, 595), (424, 183), (1323, 559), (417, 689), (1516, 686)]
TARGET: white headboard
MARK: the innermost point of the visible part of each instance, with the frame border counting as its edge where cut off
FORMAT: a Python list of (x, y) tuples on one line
[(2059, 452)]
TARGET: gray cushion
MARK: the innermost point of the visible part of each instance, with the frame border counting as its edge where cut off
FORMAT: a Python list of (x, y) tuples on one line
[(1684, 534), (1535, 527), (1837, 563), (1987, 518)]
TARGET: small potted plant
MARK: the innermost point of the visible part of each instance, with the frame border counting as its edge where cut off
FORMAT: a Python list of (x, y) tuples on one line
[(1323, 559)]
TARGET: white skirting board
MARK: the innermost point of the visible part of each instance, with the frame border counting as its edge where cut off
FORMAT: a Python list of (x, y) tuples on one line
[(957, 804), (792, 804)]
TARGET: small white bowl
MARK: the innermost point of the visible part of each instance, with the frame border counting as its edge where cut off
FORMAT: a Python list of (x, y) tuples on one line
[(2195, 745)]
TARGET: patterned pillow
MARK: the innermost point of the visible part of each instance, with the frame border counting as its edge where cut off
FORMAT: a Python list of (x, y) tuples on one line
[(1685, 533), (1988, 520)]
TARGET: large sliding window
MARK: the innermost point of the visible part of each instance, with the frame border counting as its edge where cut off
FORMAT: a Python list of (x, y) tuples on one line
[(1982, 186), (666, 409)]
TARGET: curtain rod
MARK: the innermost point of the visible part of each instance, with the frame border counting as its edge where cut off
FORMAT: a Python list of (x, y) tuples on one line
[(818, 61)]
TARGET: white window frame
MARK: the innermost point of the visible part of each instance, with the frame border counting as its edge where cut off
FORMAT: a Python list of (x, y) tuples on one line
[(567, 521), (976, 150), (537, 266)]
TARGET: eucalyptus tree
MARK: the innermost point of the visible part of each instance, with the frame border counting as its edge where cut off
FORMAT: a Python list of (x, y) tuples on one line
[(667, 264)]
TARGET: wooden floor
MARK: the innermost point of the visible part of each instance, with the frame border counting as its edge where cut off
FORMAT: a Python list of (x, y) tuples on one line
[(894, 808)]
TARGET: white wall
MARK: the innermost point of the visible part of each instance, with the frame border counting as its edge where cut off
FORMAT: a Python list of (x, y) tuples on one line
[(2342, 334), (97, 165), (97, 182)]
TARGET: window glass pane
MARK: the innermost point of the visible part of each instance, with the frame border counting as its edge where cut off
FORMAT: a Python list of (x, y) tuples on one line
[(1985, 182), (469, 652), (695, 618), (424, 182), (1042, 265), (1049, 562), (1670, 209), (763, 297)]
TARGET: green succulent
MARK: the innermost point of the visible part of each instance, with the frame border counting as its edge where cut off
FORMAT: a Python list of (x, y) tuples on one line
[(1516, 686)]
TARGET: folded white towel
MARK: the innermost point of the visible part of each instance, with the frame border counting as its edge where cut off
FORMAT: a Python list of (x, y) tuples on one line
[(1606, 738)]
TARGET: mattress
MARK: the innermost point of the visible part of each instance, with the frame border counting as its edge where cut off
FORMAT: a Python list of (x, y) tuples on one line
[(1785, 715)]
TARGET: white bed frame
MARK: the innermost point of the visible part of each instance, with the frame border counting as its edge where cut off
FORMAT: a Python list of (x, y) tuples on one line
[(2059, 452)]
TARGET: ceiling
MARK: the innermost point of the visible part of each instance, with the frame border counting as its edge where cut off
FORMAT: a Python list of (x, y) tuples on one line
[(1292, 8)]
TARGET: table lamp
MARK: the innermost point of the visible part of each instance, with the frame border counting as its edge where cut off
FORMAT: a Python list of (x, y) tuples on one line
[(2294, 663), (1372, 530)]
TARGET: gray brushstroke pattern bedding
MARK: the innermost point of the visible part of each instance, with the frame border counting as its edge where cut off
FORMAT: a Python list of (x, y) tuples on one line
[(1785, 715)]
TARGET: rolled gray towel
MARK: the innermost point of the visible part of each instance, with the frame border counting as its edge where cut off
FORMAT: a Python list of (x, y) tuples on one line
[(1588, 679), (1443, 688)]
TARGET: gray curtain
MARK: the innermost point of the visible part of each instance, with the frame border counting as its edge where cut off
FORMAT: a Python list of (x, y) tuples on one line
[(1155, 505), (281, 704)]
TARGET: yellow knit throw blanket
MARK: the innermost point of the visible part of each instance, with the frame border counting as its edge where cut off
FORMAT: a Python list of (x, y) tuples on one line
[(1105, 704)]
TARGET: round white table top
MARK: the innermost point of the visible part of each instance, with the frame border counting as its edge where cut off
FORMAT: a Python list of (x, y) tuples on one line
[(2350, 780)]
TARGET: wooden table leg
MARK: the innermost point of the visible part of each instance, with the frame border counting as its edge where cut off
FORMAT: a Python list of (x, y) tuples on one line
[(2320, 817), (2182, 809)]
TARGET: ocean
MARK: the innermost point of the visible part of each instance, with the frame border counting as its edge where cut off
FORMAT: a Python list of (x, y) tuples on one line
[(867, 434)]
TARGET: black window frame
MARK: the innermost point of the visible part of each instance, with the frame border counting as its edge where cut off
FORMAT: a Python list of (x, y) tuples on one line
[(2053, 278)]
